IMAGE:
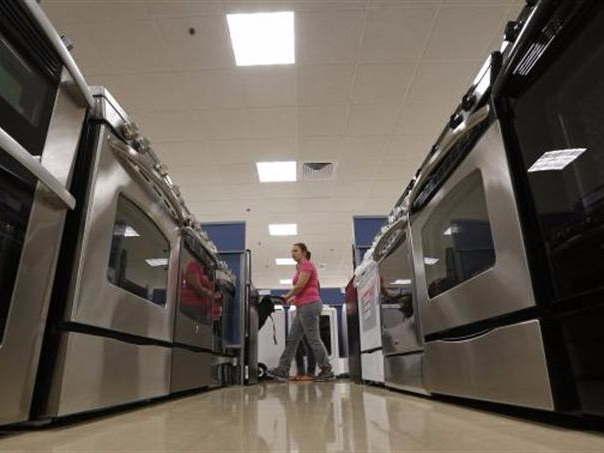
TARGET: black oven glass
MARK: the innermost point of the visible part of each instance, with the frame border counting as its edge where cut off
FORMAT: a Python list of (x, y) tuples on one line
[(396, 298), (559, 121), (140, 253), (16, 198), (26, 98), (457, 240)]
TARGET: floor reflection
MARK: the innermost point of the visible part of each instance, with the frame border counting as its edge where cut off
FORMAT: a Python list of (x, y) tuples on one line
[(304, 417)]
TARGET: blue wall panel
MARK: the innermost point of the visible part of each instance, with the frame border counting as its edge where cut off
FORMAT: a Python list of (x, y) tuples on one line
[(228, 236)]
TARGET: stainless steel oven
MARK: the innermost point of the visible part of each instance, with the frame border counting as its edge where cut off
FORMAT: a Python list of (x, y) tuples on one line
[(112, 326), (550, 99), (196, 314), (402, 339), (474, 288), (43, 102)]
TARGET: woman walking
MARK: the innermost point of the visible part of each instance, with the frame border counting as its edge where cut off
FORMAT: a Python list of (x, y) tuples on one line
[(306, 296)]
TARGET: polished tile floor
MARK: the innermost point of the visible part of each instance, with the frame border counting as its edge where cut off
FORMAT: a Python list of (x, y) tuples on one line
[(305, 417)]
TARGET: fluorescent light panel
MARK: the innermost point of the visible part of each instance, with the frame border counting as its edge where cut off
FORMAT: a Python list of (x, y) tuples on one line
[(156, 262), (285, 281), (125, 230), (401, 282), (556, 160), (285, 262), (263, 38), (283, 229), (430, 261), (276, 171)]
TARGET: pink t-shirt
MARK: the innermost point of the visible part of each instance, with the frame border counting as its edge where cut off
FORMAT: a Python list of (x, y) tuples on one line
[(311, 292)]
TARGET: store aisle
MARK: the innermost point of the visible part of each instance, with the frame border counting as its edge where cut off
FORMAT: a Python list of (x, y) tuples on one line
[(304, 417)]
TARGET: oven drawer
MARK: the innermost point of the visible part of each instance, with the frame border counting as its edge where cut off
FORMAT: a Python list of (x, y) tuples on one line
[(506, 365)]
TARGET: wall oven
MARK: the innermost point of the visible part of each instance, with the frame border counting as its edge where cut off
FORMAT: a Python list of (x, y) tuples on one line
[(43, 103), (551, 100), (473, 284)]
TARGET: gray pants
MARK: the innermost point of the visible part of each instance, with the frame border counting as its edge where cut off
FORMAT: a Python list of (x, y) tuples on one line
[(306, 323)]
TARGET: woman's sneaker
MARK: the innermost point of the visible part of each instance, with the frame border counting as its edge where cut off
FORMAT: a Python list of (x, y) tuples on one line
[(278, 375), (325, 375)]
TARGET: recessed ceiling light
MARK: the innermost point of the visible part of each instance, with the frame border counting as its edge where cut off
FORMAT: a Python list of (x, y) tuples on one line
[(155, 262), (285, 281), (276, 171), (556, 160), (283, 229), (263, 38), (285, 261)]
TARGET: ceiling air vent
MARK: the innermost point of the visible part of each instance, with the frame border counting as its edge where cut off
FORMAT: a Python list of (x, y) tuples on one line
[(318, 171)]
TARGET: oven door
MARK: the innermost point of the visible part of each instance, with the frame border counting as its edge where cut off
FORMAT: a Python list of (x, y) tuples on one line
[(400, 319), (125, 269), (468, 250), (195, 317), (555, 86)]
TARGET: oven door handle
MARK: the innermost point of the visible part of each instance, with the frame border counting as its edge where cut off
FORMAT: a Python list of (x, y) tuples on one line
[(474, 120), (58, 193)]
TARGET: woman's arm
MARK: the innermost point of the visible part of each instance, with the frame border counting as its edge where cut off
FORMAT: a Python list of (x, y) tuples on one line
[(303, 279)]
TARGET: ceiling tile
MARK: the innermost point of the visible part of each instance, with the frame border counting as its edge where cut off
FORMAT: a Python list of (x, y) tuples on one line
[(324, 84), (400, 170), (372, 119), (90, 11), (327, 120), (170, 126), (223, 123), (209, 47), (319, 149), (132, 47), (441, 83), (183, 8), (376, 84), (409, 147), (210, 89), (238, 173), (331, 36), (418, 118), (278, 122), (464, 31), (269, 86), (396, 34)]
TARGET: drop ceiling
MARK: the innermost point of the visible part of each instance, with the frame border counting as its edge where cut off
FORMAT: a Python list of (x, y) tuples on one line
[(373, 84)]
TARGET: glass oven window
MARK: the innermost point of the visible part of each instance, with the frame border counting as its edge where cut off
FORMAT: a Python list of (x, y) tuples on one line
[(16, 198), (457, 239), (26, 98), (559, 118), (198, 290), (139, 255)]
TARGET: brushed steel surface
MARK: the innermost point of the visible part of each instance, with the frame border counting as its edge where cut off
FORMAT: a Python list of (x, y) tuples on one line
[(59, 194), (502, 289), (79, 87), (96, 372), (92, 299), (190, 370), (506, 365), (20, 348), (404, 372)]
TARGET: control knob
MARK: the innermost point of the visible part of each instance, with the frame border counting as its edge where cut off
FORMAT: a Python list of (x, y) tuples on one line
[(468, 101), (455, 120)]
